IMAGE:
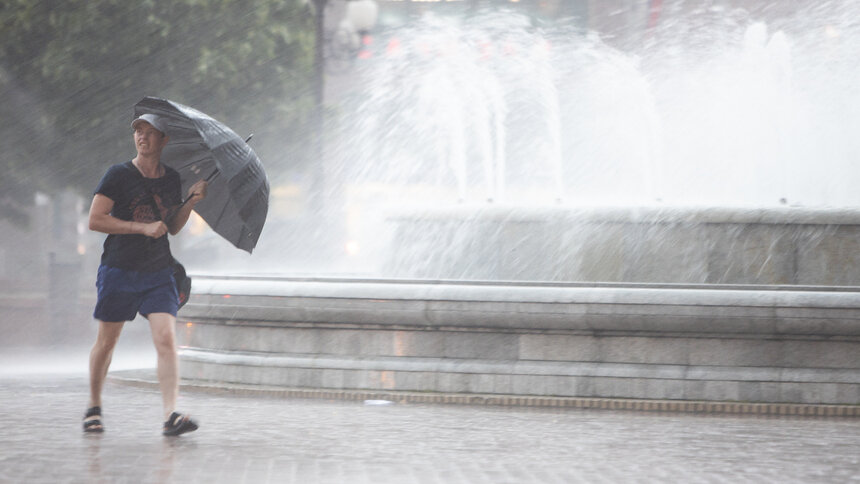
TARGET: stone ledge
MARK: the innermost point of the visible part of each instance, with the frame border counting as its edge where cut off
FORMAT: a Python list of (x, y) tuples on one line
[(656, 214), (823, 314), (522, 368), (147, 379), (692, 344)]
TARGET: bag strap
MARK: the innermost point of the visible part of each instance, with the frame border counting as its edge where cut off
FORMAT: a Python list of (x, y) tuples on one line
[(157, 213), (155, 210)]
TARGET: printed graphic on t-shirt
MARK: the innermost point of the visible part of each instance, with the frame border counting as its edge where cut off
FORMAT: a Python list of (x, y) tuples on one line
[(142, 208)]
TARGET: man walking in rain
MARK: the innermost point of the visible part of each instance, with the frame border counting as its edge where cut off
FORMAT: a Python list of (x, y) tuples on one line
[(137, 203)]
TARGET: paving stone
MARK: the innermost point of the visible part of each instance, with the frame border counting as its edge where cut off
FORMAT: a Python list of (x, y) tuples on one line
[(246, 439)]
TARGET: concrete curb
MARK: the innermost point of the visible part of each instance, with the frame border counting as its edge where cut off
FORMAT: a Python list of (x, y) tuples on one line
[(147, 379)]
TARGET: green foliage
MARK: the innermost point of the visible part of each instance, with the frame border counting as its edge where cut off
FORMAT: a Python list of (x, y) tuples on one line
[(71, 71)]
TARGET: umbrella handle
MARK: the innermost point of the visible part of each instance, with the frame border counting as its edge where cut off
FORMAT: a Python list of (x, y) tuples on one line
[(209, 178), (212, 175)]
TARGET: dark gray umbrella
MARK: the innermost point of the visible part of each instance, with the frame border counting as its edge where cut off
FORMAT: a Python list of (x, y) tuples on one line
[(201, 148)]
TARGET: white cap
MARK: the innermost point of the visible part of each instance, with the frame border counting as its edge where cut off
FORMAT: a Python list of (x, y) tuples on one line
[(157, 122)]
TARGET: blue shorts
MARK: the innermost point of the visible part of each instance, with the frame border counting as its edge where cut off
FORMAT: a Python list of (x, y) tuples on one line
[(122, 294)]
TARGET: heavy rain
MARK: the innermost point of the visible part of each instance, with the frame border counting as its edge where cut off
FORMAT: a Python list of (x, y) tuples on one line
[(569, 201)]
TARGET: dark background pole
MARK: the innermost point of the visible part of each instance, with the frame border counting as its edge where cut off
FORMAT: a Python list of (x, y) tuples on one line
[(318, 183)]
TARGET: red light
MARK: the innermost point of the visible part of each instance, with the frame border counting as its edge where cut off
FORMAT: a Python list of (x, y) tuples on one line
[(366, 40), (394, 46), (486, 50)]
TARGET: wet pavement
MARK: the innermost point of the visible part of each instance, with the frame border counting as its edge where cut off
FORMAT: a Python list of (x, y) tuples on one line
[(271, 440)]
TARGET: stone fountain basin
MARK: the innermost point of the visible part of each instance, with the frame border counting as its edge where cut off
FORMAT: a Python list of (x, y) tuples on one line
[(657, 244), (639, 341)]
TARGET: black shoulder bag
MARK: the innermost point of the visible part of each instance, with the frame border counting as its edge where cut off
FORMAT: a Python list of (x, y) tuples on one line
[(183, 282), (180, 277)]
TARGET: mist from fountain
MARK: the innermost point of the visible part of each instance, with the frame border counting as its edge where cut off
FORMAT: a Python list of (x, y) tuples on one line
[(714, 108), (489, 118), (633, 198)]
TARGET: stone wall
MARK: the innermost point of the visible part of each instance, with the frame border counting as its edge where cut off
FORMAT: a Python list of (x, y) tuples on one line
[(606, 244), (646, 342)]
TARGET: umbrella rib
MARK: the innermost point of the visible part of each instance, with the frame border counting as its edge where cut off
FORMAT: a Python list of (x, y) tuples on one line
[(189, 141), (207, 158), (220, 215)]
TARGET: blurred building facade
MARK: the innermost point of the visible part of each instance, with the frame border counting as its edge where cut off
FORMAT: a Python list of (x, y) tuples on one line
[(47, 273)]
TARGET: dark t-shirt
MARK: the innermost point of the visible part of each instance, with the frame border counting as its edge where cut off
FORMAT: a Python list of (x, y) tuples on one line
[(130, 192)]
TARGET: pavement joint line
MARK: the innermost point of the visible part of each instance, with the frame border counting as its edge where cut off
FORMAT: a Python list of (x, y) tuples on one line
[(143, 379)]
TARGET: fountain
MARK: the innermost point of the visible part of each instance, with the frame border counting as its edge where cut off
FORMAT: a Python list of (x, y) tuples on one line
[(562, 159), (555, 218)]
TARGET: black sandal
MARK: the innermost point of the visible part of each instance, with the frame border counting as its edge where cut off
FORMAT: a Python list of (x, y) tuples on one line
[(178, 424), (93, 425)]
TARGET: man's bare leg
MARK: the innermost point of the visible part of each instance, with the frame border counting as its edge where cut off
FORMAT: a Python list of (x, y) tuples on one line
[(163, 326), (100, 358)]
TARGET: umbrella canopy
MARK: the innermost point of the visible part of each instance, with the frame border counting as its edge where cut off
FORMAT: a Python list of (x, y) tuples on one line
[(201, 148)]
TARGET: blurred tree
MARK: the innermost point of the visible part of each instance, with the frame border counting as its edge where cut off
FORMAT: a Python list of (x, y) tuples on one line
[(71, 71), (23, 122)]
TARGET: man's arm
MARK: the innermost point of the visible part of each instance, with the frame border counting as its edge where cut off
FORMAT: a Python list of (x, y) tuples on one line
[(102, 221), (196, 193)]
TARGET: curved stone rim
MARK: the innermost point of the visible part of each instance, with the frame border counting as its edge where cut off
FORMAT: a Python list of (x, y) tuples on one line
[(654, 214), (729, 344), (841, 297)]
